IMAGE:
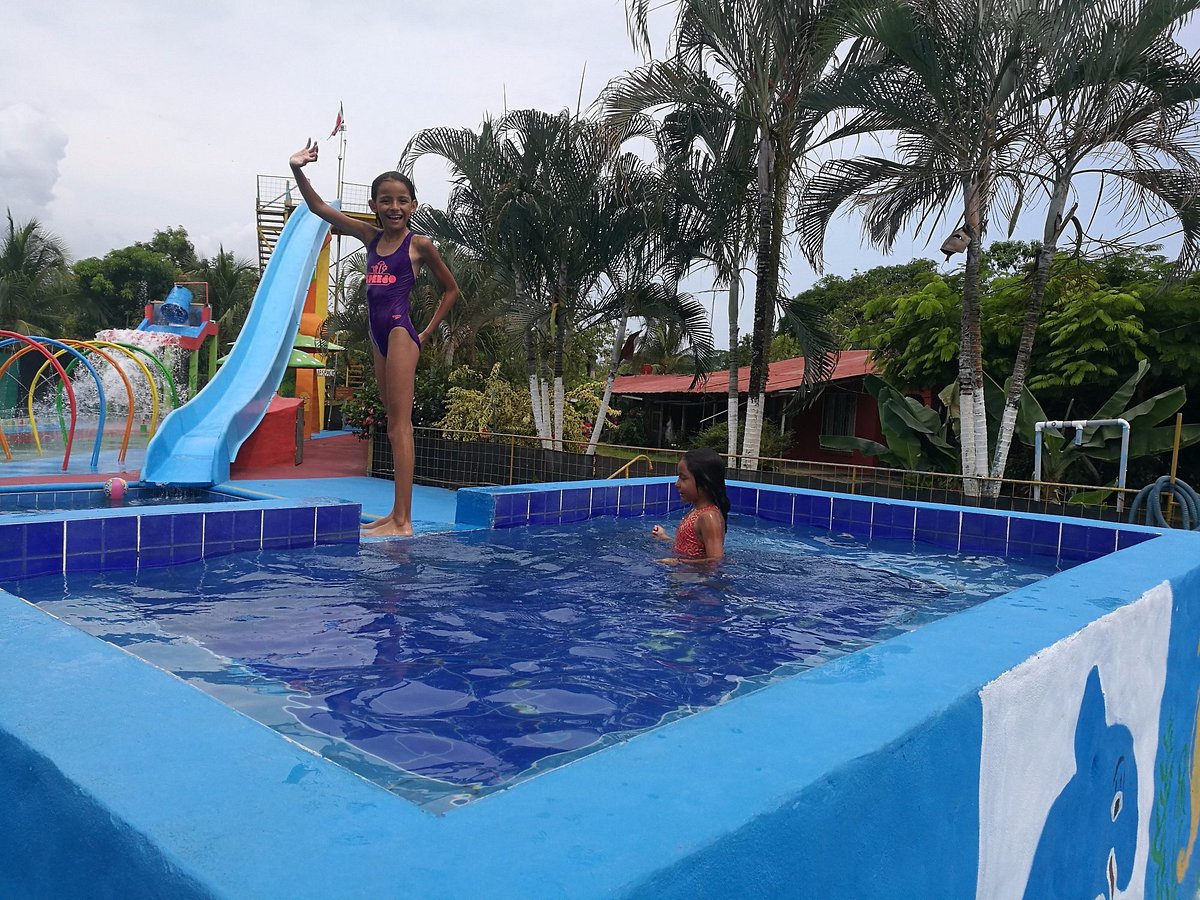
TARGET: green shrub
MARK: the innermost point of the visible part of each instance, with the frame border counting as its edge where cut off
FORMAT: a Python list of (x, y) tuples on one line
[(716, 436)]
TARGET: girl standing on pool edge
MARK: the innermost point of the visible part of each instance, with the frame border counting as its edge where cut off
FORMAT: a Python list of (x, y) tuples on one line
[(394, 259), (701, 535)]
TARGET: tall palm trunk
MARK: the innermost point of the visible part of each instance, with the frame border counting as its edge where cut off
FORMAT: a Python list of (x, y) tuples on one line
[(559, 354), (1055, 223), (535, 391), (766, 279), (613, 364), (732, 414), (972, 409)]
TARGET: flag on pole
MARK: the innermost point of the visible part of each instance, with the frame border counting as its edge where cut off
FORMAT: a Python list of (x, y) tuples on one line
[(339, 125)]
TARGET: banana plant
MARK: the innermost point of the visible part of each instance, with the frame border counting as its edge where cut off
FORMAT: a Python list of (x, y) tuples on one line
[(1148, 436), (915, 435)]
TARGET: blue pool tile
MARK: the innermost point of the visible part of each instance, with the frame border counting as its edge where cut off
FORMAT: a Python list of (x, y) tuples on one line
[(179, 554), (83, 562), (1033, 537), (276, 527), (337, 522), (1132, 538), (574, 515), (605, 500), (12, 543), (42, 565), (743, 499), (541, 502), (85, 536), (813, 510), (656, 498), (938, 526), (156, 532), (247, 529), (188, 528), (218, 533), (893, 522), (632, 500), (512, 509), (1084, 542), (576, 500), (119, 559), (121, 533), (218, 528), (302, 523), (982, 533), (776, 506), (545, 507), (44, 539), (851, 516)]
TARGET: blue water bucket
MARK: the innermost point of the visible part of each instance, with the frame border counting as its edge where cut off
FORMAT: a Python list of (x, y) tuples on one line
[(176, 309)]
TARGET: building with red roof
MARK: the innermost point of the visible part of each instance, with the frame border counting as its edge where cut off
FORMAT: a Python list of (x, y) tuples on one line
[(676, 406)]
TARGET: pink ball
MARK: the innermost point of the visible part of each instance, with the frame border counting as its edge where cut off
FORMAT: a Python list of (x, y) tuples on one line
[(114, 488)]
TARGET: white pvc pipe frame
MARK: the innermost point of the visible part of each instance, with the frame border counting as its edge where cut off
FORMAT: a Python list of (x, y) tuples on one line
[(1079, 425)]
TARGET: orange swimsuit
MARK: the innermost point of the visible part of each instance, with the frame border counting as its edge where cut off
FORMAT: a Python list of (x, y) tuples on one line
[(687, 543)]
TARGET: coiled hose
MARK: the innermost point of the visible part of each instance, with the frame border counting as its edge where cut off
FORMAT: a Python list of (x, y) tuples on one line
[(1151, 496)]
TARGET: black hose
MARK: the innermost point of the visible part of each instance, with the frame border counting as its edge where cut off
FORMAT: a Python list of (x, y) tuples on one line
[(1151, 496)]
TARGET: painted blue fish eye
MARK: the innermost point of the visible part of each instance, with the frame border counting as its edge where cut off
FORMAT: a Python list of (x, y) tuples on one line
[(1117, 803)]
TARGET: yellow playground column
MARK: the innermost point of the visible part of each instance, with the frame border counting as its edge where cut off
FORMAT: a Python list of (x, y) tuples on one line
[(310, 384)]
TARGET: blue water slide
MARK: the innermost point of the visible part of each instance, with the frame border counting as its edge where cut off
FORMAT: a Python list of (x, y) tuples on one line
[(196, 443)]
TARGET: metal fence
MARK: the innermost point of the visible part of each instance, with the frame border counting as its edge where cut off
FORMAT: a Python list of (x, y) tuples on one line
[(464, 459)]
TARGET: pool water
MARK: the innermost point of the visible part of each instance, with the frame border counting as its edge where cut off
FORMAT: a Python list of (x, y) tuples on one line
[(47, 499), (453, 665)]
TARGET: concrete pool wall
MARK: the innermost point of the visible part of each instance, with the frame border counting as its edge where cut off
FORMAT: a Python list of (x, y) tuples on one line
[(953, 760)]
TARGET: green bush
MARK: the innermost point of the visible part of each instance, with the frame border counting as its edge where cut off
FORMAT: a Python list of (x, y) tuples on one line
[(716, 436)]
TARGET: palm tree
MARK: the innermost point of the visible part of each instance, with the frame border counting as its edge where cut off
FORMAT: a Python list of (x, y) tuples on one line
[(474, 332), (709, 155), (34, 278), (770, 52), (949, 82), (548, 203), (1117, 94), (231, 285)]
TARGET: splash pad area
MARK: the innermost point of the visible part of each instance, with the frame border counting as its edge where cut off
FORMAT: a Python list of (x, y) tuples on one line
[(97, 403)]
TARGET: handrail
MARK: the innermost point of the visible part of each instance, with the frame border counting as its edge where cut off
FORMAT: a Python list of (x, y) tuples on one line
[(625, 468)]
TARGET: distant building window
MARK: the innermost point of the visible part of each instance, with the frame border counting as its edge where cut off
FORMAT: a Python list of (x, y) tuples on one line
[(839, 415)]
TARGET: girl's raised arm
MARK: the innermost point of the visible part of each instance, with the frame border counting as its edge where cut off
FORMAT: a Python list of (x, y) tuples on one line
[(342, 223)]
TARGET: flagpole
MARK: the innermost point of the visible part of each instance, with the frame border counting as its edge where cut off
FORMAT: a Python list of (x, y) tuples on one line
[(337, 266)]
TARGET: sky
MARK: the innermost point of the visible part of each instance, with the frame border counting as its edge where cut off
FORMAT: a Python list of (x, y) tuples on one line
[(122, 118)]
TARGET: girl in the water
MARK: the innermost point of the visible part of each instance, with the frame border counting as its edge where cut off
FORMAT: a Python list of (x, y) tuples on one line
[(701, 535)]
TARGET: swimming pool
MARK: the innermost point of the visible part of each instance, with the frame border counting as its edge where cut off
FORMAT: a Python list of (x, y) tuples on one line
[(940, 762), (48, 498), (448, 671)]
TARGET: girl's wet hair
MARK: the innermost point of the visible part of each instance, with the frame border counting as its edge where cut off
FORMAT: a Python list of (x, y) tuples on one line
[(393, 176), (708, 471)]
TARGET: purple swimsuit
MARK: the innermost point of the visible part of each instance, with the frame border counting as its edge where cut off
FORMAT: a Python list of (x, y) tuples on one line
[(389, 281)]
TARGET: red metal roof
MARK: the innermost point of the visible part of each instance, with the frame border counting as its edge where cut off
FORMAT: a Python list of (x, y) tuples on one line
[(783, 375)]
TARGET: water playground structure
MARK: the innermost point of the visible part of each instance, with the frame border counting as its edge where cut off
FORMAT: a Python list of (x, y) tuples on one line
[(190, 443)]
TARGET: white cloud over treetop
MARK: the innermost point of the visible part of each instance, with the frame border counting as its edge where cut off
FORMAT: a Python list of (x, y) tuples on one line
[(31, 148)]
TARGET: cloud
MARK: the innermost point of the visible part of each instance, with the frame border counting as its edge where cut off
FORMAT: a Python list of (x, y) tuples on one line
[(31, 148)]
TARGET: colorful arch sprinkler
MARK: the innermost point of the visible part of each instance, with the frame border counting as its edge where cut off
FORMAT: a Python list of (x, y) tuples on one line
[(11, 337)]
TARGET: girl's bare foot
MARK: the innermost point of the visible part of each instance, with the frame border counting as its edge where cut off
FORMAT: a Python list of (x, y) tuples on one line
[(392, 529), (378, 523)]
